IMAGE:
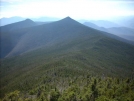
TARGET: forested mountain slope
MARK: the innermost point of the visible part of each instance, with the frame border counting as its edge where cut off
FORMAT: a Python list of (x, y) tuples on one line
[(67, 61), (11, 34)]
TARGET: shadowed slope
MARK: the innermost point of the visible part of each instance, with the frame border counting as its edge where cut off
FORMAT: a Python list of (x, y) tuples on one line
[(18, 25), (11, 34), (47, 35)]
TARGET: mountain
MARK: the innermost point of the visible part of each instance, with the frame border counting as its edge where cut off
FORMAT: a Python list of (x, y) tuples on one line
[(18, 25), (104, 23), (82, 20), (66, 61), (131, 24), (41, 23), (49, 35), (92, 25), (11, 34), (126, 21), (10, 20), (6, 21), (123, 32)]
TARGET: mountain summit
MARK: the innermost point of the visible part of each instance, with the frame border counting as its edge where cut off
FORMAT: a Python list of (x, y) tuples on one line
[(67, 19), (69, 22), (18, 25), (28, 20)]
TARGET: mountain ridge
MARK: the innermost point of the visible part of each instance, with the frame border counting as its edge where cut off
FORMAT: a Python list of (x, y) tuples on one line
[(51, 59), (42, 29), (123, 32), (48, 35), (105, 23), (18, 25), (5, 21)]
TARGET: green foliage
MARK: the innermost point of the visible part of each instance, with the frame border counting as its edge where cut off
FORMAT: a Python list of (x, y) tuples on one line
[(96, 69), (13, 96), (76, 92), (54, 95)]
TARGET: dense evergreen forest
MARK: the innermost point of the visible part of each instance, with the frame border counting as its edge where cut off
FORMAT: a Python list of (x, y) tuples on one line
[(65, 61), (63, 78), (81, 88)]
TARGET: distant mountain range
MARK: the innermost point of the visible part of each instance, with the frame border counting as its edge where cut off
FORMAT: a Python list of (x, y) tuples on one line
[(6, 21), (104, 23), (126, 21), (124, 32), (129, 23)]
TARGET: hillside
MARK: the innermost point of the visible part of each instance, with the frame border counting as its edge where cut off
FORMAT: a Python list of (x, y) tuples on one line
[(67, 61), (11, 34)]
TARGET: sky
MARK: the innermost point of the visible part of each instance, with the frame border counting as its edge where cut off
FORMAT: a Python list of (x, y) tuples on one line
[(78, 9)]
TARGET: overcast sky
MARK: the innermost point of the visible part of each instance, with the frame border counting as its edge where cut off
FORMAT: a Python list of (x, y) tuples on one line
[(78, 9)]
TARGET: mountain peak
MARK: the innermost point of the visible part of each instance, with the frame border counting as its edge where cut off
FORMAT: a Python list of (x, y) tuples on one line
[(28, 20), (67, 18), (18, 25), (68, 21)]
